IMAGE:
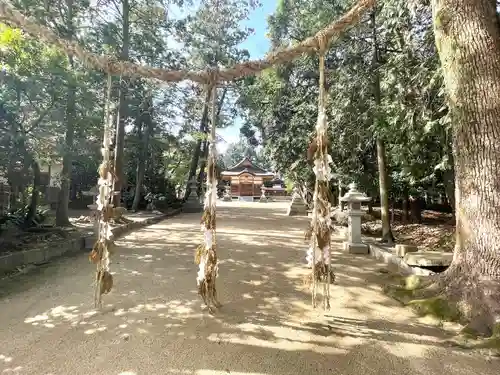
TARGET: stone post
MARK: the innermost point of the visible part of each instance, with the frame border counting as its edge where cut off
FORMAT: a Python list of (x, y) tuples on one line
[(354, 198), (192, 204)]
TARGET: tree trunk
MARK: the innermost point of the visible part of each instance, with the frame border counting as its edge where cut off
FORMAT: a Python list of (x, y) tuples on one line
[(341, 204), (406, 204), (141, 164), (370, 207), (62, 214), (449, 186), (381, 154), (35, 192), (467, 36), (206, 143), (197, 150), (122, 110)]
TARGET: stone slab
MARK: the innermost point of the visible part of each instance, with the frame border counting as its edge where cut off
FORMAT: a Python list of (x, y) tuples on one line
[(401, 250), (356, 248), (429, 259), (10, 262), (387, 255)]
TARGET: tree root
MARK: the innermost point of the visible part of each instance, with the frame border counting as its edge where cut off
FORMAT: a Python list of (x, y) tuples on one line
[(469, 338), (425, 297), (437, 298), (440, 307)]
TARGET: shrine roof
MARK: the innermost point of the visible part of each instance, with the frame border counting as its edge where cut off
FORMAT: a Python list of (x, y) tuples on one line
[(246, 166)]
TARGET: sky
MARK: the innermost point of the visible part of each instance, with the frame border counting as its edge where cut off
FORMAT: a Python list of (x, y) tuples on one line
[(257, 45)]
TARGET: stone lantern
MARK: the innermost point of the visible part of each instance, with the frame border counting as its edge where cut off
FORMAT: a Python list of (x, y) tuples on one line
[(192, 203), (263, 198), (297, 206), (354, 199), (227, 194)]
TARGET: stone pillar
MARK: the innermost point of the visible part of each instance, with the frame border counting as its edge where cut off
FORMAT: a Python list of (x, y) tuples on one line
[(192, 204), (297, 206), (354, 243), (227, 194)]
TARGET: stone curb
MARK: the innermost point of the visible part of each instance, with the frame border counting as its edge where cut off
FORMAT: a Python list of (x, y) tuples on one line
[(385, 255), (11, 262)]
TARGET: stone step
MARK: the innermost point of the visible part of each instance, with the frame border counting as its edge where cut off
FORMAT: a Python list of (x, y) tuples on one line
[(401, 250), (429, 259)]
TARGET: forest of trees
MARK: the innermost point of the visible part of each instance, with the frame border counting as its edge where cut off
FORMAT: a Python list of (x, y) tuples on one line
[(52, 106), (414, 106)]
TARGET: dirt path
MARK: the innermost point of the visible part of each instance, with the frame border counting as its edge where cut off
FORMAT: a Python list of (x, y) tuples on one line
[(153, 323)]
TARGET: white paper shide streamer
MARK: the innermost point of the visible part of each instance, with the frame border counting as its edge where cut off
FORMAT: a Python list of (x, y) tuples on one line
[(323, 171)]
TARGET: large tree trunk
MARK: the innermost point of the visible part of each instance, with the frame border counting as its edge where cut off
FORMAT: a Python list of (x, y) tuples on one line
[(467, 36), (62, 214), (146, 119), (381, 154), (122, 110)]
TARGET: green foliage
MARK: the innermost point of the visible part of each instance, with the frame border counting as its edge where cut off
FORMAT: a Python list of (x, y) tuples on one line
[(280, 104)]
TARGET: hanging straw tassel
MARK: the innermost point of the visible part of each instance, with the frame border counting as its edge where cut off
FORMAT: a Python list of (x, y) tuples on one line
[(325, 159), (206, 255), (321, 222), (100, 252)]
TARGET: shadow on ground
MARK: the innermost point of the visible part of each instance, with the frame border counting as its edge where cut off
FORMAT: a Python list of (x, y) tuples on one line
[(153, 324)]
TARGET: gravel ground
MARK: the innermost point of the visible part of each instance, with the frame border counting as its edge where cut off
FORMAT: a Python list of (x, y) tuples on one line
[(152, 322)]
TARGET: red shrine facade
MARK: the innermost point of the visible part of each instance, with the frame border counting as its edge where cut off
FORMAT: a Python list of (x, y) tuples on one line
[(246, 180)]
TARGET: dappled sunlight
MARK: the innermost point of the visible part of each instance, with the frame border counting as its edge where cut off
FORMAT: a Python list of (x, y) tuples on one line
[(153, 317)]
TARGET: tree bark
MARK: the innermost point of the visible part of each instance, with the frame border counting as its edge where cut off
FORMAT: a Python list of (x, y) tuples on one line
[(449, 185), (62, 214), (467, 34), (141, 164), (122, 110), (341, 204), (35, 192), (406, 206), (381, 153)]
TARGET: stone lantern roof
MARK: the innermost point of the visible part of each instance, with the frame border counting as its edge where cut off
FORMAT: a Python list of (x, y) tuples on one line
[(353, 195)]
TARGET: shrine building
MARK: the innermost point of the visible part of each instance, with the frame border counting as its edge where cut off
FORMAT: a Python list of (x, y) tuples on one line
[(246, 180)]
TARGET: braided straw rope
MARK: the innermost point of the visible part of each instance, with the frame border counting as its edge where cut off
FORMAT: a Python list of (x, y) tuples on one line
[(111, 65)]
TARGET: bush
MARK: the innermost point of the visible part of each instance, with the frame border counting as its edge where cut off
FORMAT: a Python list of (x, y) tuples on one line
[(162, 202)]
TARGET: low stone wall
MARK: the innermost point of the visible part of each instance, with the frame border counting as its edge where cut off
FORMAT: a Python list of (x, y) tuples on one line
[(387, 255), (11, 262)]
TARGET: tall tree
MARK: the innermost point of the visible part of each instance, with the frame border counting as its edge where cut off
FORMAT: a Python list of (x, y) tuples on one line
[(122, 107), (468, 40), (214, 40), (383, 177), (62, 216)]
